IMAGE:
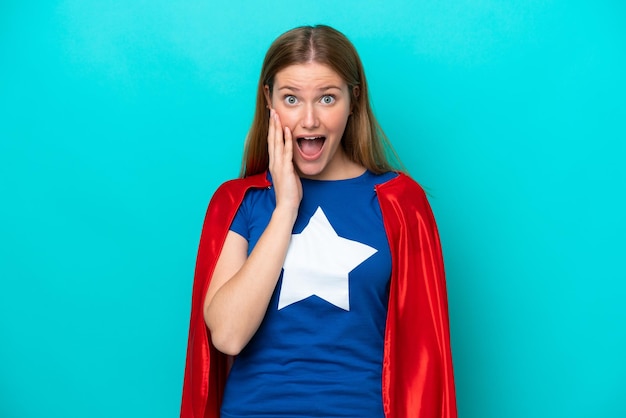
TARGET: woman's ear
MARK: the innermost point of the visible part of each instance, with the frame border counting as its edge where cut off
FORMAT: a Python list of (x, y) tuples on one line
[(268, 96), (356, 90)]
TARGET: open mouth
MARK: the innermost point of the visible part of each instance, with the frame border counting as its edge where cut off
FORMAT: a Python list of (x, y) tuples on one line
[(311, 145)]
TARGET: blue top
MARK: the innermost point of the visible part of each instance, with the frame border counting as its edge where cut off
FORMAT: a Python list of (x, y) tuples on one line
[(319, 349)]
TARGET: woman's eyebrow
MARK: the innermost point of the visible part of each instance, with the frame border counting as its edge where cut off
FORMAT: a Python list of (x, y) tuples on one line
[(330, 87), (289, 88)]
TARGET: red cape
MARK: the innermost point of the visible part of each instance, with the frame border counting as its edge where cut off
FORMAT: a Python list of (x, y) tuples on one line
[(417, 364)]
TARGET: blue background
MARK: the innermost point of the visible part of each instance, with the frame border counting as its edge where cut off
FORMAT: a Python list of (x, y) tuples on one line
[(119, 119)]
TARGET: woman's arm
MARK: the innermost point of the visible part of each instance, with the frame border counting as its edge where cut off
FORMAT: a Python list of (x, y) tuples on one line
[(241, 286)]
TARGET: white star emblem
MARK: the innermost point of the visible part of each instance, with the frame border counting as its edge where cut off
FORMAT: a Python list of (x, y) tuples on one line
[(318, 262)]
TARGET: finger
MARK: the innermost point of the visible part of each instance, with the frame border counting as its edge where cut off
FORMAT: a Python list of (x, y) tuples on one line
[(288, 145), (270, 135), (279, 141)]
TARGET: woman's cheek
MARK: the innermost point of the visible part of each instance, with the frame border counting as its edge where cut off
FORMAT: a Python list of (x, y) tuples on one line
[(286, 118)]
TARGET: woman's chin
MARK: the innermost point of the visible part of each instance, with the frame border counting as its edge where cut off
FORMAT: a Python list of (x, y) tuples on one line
[(311, 169)]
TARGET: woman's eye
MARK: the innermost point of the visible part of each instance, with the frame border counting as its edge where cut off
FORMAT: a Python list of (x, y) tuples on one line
[(291, 100), (328, 99)]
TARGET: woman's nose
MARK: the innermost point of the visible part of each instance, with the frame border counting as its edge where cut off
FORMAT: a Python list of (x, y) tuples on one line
[(309, 118)]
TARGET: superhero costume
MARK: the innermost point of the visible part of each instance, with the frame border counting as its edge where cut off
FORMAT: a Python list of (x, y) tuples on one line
[(417, 364)]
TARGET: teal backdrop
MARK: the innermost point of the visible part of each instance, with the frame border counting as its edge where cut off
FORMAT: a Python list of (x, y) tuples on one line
[(118, 119)]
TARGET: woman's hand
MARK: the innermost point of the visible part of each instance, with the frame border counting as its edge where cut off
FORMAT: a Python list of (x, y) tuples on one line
[(241, 286), (287, 185)]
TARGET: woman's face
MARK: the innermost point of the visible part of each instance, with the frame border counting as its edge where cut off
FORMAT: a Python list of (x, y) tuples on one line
[(313, 101)]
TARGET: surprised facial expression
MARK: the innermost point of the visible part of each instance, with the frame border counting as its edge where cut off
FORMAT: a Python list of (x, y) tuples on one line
[(314, 102)]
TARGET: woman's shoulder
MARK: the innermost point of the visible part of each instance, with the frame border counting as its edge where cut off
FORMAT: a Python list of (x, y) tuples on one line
[(405, 191), (242, 184), (401, 182), (407, 197), (235, 189)]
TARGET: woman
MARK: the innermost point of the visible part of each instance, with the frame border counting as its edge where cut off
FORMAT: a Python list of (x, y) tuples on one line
[(320, 269)]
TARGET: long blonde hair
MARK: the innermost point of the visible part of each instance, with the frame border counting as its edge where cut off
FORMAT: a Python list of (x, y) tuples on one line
[(363, 140)]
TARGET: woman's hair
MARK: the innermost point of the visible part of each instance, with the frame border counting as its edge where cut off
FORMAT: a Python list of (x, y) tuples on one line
[(363, 140)]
